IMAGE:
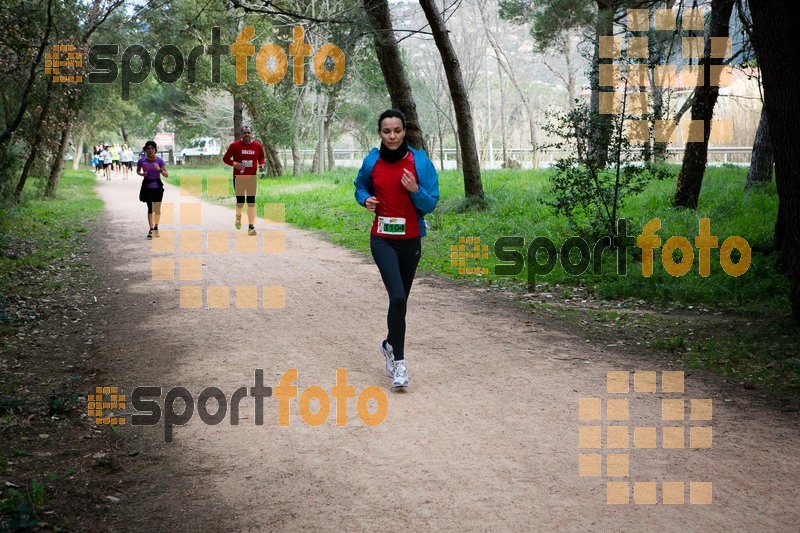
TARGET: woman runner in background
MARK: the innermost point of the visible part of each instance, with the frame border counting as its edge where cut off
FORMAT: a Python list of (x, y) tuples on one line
[(126, 160), (151, 168)]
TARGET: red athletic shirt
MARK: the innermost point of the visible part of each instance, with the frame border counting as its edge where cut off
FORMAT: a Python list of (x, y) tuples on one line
[(250, 154), (394, 200)]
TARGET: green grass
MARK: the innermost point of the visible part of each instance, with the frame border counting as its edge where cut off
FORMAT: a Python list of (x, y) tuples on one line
[(39, 233), (42, 252), (759, 355), (515, 207), (40, 244)]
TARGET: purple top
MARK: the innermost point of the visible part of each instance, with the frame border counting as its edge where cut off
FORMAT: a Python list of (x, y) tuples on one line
[(151, 176)]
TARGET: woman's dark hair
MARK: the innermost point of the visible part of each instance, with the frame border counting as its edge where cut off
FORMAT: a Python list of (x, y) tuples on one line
[(392, 113), (151, 143)]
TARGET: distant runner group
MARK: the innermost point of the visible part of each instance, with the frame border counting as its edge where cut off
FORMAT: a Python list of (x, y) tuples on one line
[(112, 161)]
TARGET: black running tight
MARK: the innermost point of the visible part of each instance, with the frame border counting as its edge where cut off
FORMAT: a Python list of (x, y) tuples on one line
[(397, 261)]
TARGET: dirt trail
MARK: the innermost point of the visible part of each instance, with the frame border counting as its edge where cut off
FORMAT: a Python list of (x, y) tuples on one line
[(485, 438)]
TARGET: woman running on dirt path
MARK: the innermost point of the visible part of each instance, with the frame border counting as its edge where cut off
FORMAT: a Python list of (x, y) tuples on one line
[(400, 185), (151, 168)]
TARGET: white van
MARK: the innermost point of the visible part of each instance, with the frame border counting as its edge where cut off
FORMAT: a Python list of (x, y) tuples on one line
[(200, 146)]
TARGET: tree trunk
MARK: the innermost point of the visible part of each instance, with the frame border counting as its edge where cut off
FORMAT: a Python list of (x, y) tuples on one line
[(600, 124), (37, 141), (333, 102), (762, 160), (274, 166), (659, 148), (777, 43), (503, 132), (473, 188), (459, 162), (664, 48), (323, 113), (654, 152), (238, 110), (331, 163), (73, 104), (394, 73), (502, 61), (297, 161), (317, 165), (78, 153), (441, 143), (572, 78), (11, 127), (58, 164), (695, 157)]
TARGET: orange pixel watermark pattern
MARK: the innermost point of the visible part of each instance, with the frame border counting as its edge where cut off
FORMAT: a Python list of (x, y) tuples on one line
[(193, 240), (63, 56), (617, 433), (459, 254), (105, 398), (666, 76)]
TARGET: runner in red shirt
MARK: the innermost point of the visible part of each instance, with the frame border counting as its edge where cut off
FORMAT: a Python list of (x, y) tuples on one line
[(244, 155)]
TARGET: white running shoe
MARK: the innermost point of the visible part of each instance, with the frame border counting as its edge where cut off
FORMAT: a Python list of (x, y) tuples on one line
[(388, 353), (400, 374)]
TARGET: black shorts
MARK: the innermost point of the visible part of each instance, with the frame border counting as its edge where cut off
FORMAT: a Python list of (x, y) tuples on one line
[(151, 195), (128, 164), (246, 186)]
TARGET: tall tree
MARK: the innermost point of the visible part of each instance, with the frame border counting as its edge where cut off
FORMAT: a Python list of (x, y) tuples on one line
[(762, 159), (550, 20), (505, 65), (14, 118), (473, 188), (601, 124), (695, 157), (394, 72), (777, 44), (99, 12), (661, 48), (435, 91), (25, 37), (38, 137), (297, 120), (51, 186)]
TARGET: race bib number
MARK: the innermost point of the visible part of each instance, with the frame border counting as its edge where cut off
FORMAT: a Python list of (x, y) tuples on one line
[(248, 163), (391, 226)]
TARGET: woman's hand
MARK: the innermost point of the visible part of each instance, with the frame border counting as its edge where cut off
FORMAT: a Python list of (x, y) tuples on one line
[(371, 204), (409, 181)]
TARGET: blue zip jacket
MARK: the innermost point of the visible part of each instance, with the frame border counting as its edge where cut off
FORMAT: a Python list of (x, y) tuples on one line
[(424, 199)]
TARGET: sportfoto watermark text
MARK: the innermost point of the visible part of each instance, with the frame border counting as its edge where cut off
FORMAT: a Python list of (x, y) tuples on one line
[(271, 61), (576, 255), (149, 411)]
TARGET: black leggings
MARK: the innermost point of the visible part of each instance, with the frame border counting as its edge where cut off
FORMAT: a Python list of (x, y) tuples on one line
[(397, 260), (152, 196), (250, 199)]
